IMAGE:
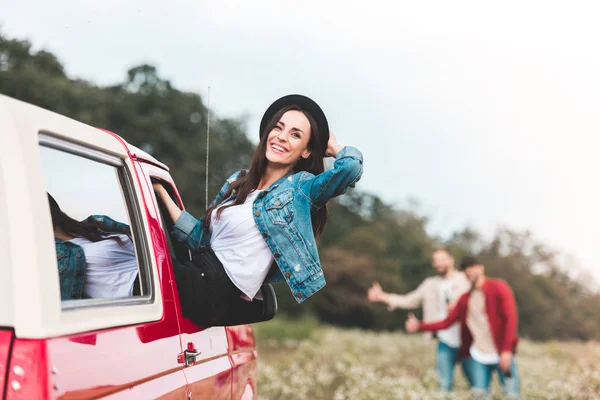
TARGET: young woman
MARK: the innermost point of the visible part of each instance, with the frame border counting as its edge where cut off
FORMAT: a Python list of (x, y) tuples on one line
[(270, 215), (96, 257)]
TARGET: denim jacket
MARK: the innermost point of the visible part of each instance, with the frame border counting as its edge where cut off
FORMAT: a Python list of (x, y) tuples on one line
[(71, 260), (282, 214)]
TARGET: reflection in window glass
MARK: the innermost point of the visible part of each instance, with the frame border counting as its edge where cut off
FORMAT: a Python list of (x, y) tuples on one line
[(94, 248)]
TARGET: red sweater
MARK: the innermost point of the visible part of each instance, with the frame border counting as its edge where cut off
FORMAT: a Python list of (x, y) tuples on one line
[(501, 311)]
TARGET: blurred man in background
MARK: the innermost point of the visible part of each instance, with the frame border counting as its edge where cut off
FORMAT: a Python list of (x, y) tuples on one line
[(488, 319), (436, 294)]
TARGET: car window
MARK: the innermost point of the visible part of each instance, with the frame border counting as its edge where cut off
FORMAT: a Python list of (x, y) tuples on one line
[(98, 240)]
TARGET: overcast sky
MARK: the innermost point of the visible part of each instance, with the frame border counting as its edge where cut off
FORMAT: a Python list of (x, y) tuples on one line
[(487, 114)]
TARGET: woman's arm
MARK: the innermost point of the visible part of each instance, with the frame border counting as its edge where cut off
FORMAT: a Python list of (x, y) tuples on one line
[(188, 229), (347, 170), (172, 208)]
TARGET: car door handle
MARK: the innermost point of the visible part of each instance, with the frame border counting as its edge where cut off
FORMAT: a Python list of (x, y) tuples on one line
[(188, 356)]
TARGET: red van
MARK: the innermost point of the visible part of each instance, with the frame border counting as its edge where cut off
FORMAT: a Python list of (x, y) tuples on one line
[(130, 347)]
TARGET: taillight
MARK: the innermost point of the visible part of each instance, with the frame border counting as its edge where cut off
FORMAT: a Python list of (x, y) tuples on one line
[(5, 343), (28, 371)]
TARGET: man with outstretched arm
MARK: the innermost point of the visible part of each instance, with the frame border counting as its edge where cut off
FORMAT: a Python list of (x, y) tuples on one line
[(436, 294), (488, 319)]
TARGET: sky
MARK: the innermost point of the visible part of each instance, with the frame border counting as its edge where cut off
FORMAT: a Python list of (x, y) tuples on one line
[(487, 114)]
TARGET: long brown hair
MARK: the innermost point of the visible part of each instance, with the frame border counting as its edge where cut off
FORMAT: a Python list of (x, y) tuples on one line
[(250, 180), (92, 230)]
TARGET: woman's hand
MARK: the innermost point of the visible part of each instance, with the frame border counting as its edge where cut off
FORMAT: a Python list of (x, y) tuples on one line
[(333, 147)]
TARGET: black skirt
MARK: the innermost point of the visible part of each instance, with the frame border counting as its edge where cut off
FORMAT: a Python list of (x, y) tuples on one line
[(205, 291), (209, 298)]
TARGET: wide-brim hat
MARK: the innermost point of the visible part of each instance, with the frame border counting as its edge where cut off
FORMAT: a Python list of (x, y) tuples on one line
[(306, 104)]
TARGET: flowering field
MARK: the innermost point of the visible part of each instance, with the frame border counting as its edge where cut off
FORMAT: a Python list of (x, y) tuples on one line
[(300, 360)]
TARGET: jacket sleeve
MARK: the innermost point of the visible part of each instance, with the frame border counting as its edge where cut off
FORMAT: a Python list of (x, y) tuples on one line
[(409, 300), (450, 319), (188, 229), (110, 224), (508, 311), (347, 170)]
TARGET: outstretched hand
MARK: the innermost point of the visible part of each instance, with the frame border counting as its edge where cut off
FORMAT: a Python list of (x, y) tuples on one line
[(412, 324), (375, 293)]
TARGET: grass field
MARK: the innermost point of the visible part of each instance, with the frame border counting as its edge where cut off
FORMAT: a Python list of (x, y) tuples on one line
[(298, 359)]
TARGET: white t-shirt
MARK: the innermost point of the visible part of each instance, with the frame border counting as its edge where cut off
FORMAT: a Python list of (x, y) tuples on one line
[(484, 358), (240, 247), (483, 349), (111, 268), (450, 336)]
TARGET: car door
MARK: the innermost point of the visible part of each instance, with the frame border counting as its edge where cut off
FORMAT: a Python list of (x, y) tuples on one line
[(124, 347), (210, 376)]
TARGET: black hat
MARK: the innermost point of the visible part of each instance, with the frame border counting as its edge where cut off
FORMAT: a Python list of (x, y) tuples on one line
[(305, 104), (469, 261)]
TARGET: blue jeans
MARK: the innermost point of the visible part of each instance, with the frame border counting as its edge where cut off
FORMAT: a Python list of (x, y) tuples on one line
[(480, 376), (445, 361)]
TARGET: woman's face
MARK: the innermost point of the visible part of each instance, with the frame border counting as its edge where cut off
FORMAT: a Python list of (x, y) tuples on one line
[(288, 141)]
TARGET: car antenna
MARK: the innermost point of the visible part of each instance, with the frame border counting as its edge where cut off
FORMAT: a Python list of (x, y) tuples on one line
[(207, 146)]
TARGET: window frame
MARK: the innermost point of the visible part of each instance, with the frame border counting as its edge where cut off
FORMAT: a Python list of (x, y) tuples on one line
[(177, 247), (125, 180)]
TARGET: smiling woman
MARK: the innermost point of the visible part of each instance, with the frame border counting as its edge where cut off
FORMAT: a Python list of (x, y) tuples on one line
[(265, 222), (288, 141)]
